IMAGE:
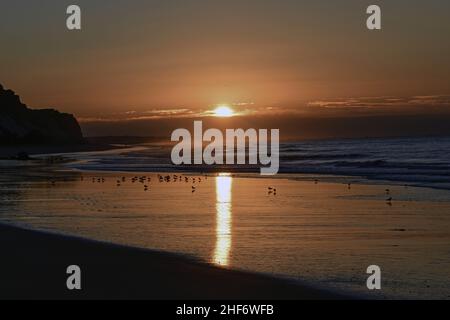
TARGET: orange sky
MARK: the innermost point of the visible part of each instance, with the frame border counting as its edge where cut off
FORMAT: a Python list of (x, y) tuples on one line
[(140, 59)]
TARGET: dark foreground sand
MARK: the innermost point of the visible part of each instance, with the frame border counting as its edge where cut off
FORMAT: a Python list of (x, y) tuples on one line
[(33, 266)]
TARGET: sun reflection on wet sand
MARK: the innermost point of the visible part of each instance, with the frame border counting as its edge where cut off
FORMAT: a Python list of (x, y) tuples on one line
[(223, 219)]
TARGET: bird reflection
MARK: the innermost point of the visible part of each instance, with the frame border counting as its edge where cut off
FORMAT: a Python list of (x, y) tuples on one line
[(223, 219)]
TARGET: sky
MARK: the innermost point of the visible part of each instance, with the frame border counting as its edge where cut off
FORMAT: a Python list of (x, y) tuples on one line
[(144, 67)]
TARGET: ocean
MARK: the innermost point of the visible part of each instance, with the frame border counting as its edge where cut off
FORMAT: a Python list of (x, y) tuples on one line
[(412, 161)]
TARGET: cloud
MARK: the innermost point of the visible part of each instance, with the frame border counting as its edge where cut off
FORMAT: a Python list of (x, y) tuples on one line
[(240, 108), (141, 115), (384, 101), (347, 107)]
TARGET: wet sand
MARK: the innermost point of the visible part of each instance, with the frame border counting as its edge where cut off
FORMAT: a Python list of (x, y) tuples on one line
[(33, 266), (324, 234)]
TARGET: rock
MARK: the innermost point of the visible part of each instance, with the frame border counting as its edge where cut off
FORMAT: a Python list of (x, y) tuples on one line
[(19, 124)]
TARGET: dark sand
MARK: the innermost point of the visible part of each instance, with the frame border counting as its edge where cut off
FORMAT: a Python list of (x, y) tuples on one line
[(33, 266)]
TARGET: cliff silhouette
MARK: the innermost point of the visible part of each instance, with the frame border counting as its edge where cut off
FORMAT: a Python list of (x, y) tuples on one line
[(21, 125)]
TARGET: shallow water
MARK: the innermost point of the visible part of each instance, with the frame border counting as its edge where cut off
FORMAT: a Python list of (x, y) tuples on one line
[(417, 161), (324, 233)]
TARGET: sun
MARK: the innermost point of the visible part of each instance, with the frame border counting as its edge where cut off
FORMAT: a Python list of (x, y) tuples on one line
[(223, 112)]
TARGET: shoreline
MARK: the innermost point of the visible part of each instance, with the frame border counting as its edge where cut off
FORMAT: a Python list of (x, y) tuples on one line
[(10, 152), (36, 269), (96, 147), (295, 176)]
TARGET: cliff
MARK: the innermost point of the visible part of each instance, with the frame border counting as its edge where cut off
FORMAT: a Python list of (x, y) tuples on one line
[(19, 124)]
